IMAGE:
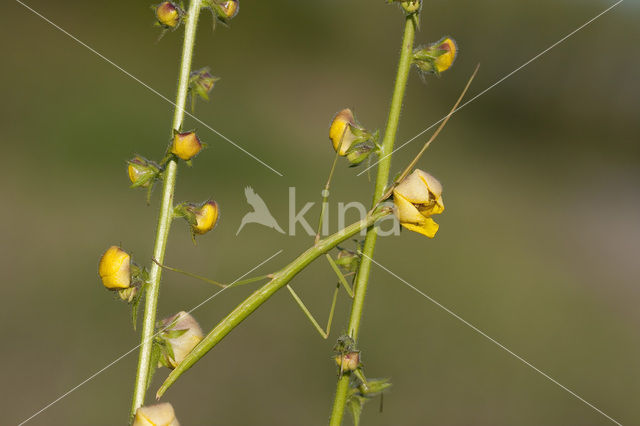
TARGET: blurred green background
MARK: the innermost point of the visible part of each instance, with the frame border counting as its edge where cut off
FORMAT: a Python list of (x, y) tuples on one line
[(538, 246)]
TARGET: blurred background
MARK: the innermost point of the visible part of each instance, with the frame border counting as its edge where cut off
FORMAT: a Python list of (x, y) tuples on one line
[(538, 246)]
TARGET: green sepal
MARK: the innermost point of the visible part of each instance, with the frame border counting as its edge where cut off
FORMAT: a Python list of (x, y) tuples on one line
[(135, 305), (186, 211), (361, 392), (375, 387), (173, 334), (357, 153), (355, 404), (156, 358)]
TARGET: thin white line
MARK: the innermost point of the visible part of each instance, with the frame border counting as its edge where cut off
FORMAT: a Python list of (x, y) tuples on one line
[(496, 83), (94, 375), (500, 345), (150, 88)]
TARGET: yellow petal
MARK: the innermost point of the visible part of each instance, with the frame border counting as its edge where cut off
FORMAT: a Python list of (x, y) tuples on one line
[(183, 344), (429, 227), (186, 145), (114, 268), (405, 211), (439, 206), (433, 184), (168, 14), (156, 415), (206, 218), (340, 131), (414, 188), (444, 61)]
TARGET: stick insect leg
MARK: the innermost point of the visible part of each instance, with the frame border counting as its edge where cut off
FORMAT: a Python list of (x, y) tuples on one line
[(323, 333), (340, 275)]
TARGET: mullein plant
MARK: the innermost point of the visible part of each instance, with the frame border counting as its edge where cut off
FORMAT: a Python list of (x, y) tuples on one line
[(178, 342)]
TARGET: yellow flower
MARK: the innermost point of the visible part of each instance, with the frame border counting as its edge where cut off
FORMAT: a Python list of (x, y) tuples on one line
[(115, 268), (186, 145), (206, 218), (168, 14), (156, 415), (181, 343), (340, 130), (445, 60), (416, 198)]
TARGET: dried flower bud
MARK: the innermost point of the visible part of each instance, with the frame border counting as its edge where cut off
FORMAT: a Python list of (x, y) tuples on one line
[(156, 415), (115, 268), (142, 172), (206, 217), (416, 198), (186, 145), (168, 14), (348, 361), (436, 57), (181, 335), (201, 82)]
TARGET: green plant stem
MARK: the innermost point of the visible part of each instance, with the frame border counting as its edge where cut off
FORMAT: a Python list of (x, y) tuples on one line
[(165, 216), (362, 278), (279, 280)]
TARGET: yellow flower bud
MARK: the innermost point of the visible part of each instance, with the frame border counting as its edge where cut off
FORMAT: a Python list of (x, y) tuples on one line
[(156, 415), (168, 14), (115, 268), (206, 217), (142, 172), (186, 145), (181, 336), (136, 174), (229, 9), (416, 198), (436, 57), (348, 361), (340, 131), (445, 60)]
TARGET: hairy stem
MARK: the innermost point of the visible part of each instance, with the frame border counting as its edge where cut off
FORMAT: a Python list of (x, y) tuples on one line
[(362, 277), (165, 216), (279, 280)]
